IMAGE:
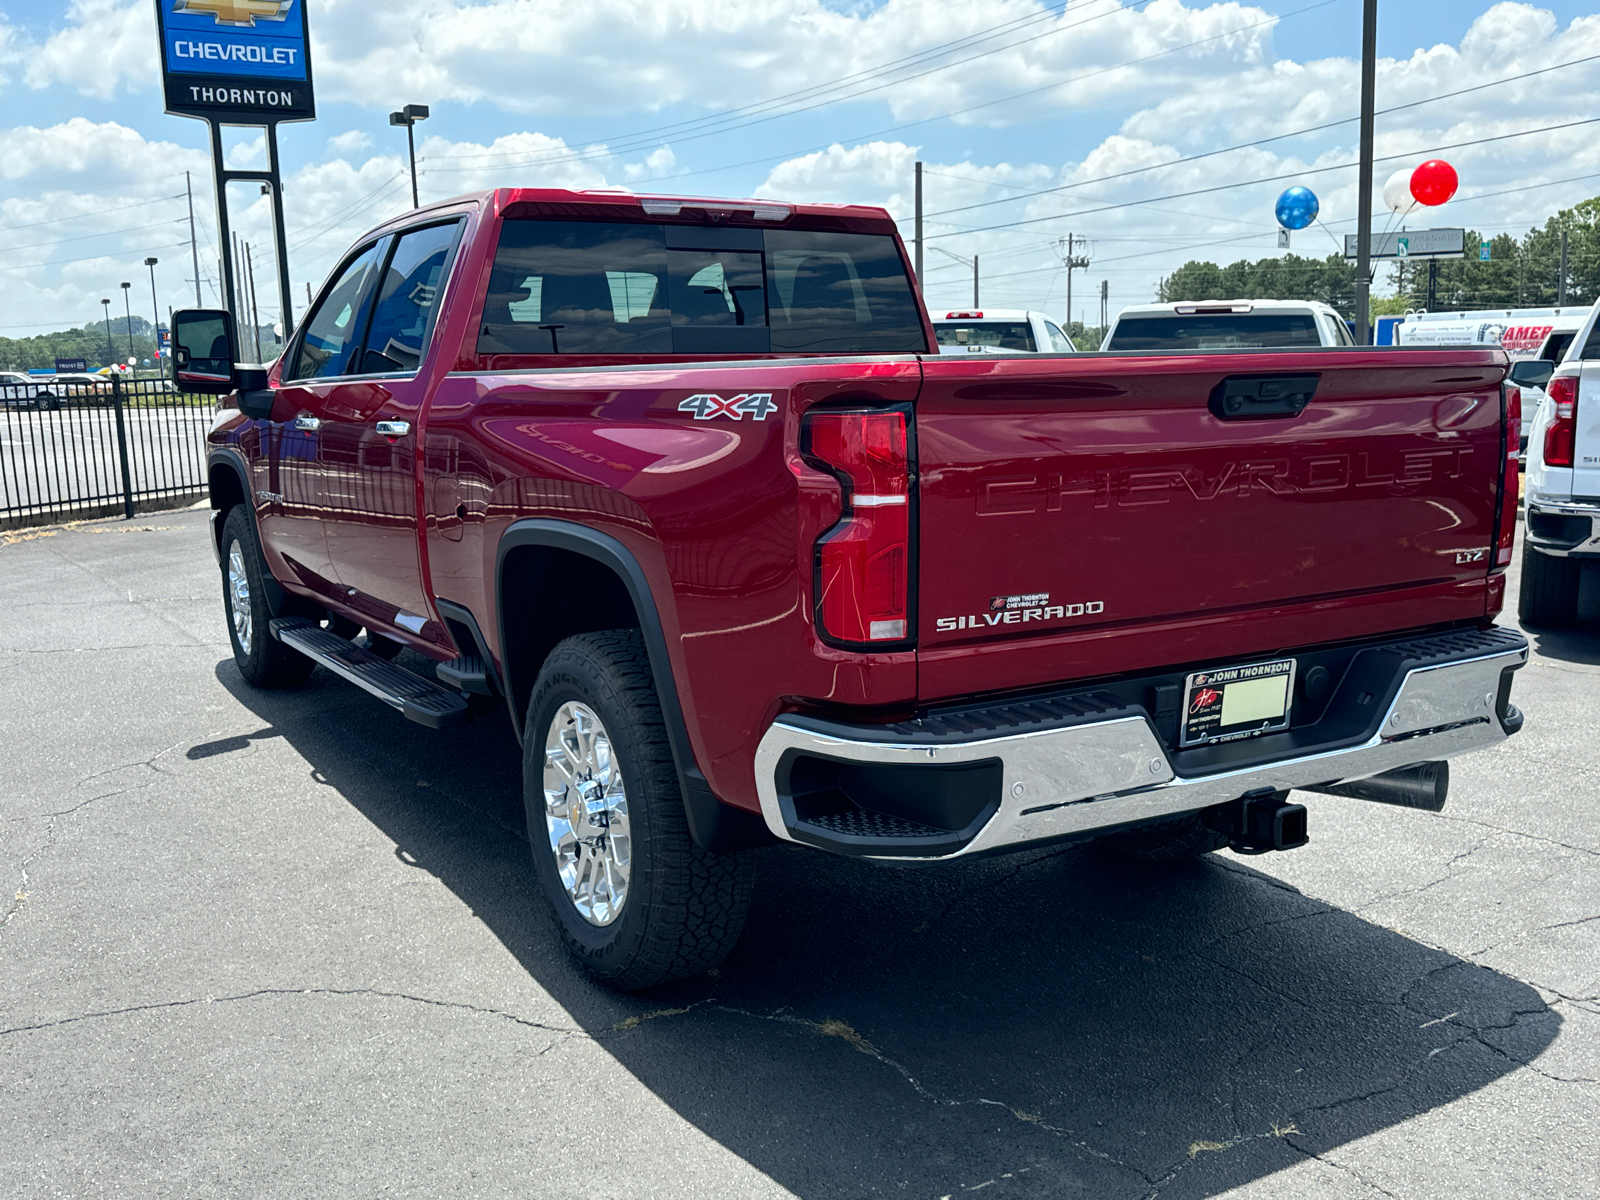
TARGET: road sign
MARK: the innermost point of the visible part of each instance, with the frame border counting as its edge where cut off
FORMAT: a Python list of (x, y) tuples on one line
[(245, 62), (68, 366), (1483, 251), (1283, 239), (1414, 243)]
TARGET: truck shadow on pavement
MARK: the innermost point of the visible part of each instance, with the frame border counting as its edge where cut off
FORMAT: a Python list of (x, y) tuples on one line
[(1035, 1025), (1579, 645)]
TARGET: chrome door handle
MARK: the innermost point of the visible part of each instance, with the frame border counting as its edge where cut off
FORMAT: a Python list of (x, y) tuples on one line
[(309, 424), (394, 428)]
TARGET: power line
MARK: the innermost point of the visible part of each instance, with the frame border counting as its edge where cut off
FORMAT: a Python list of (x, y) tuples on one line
[(1277, 137), (737, 118), (92, 258), (90, 236), (97, 213), (1300, 174)]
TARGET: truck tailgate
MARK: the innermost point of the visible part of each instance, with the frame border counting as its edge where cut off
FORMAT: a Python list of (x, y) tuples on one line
[(1083, 516)]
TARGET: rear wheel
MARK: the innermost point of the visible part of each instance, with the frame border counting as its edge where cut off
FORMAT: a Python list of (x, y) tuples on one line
[(1183, 837), (1549, 589), (636, 901), (262, 659)]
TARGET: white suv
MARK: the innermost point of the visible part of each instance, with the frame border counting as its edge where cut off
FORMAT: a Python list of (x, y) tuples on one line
[(997, 330), (1562, 493), (1227, 325)]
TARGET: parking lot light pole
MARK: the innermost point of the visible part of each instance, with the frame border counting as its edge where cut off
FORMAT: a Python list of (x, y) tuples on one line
[(155, 306), (128, 308), (409, 116), (110, 353)]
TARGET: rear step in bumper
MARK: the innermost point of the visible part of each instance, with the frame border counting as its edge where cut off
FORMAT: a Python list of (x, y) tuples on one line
[(415, 698), (1096, 775)]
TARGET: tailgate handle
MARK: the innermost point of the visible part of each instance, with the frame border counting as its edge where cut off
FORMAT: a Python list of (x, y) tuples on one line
[(1258, 397)]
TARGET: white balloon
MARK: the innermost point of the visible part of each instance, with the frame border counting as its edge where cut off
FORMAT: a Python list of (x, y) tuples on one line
[(1397, 193)]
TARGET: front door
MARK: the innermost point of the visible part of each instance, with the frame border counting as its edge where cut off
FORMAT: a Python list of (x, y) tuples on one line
[(302, 477)]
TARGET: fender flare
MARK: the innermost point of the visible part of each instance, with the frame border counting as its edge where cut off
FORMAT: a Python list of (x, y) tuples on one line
[(715, 826)]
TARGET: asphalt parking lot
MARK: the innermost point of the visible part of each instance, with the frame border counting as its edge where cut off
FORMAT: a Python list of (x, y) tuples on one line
[(286, 944)]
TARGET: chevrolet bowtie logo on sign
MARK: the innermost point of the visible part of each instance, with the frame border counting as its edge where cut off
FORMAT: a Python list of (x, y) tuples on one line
[(236, 12)]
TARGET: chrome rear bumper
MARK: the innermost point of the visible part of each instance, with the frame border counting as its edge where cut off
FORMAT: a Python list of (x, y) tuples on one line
[(1093, 775)]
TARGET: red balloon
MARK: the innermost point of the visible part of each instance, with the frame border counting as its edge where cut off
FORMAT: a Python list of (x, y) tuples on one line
[(1434, 182)]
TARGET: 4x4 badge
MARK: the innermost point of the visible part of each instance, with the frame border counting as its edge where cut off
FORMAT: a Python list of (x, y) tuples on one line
[(707, 407)]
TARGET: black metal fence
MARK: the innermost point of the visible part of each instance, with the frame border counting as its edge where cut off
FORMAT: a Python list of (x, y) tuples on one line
[(75, 450)]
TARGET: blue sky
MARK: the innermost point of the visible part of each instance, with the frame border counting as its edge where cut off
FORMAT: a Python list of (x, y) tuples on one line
[(610, 93)]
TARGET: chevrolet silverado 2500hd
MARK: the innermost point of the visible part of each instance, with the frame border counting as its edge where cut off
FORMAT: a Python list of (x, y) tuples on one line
[(685, 485)]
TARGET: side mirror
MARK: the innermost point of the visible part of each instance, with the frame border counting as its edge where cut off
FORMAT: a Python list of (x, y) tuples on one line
[(1532, 372), (203, 344)]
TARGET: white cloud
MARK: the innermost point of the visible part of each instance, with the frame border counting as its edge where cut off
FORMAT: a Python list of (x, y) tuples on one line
[(352, 141), (107, 46)]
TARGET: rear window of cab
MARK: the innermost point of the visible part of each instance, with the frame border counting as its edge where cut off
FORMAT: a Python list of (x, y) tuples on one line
[(1225, 331), (599, 287)]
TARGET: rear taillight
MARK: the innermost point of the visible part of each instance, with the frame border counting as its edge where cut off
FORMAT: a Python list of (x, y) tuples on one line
[(1562, 433), (863, 564), (1510, 479)]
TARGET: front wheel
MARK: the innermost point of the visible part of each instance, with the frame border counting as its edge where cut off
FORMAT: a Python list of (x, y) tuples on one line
[(262, 659), (635, 900)]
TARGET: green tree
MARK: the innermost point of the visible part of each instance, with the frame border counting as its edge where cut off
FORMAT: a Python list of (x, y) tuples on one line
[(1286, 277)]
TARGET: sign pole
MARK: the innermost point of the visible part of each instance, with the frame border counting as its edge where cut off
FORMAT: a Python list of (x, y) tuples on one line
[(224, 232), (281, 238)]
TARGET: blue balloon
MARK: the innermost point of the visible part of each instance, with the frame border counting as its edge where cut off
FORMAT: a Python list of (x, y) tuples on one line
[(1297, 208)]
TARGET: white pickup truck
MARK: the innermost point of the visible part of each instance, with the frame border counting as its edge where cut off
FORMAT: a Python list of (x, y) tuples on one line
[(1561, 550)]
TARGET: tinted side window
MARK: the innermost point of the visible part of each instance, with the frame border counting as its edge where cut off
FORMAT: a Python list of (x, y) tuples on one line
[(335, 325), (1215, 332), (402, 319), (1555, 346), (844, 293), (578, 287)]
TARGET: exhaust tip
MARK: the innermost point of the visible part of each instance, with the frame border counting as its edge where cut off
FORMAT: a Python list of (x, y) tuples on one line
[(1424, 785)]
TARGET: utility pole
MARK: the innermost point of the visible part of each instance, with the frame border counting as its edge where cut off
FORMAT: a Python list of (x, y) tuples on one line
[(921, 291), (409, 116), (1105, 299), (111, 354), (1433, 284), (194, 241), (976, 303), (128, 307), (1561, 282), (250, 286), (1072, 262), (1369, 87)]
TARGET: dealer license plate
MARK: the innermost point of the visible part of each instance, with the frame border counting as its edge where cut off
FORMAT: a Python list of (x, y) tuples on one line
[(1230, 703)]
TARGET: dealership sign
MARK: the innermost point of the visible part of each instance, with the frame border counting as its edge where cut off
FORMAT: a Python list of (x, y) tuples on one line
[(244, 62)]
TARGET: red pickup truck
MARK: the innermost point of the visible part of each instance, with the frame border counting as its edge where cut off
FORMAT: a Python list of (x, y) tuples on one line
[(686, 486)]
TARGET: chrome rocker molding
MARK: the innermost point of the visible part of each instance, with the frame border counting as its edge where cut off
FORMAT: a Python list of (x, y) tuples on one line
[(1077, 781)]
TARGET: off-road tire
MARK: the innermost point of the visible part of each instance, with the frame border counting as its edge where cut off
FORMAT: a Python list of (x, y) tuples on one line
[(1549, 590), (266, 662), (1181, 838), (685, 907)]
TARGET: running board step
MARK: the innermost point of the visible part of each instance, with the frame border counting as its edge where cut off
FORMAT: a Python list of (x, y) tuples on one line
[(415, 698), (468, 674)]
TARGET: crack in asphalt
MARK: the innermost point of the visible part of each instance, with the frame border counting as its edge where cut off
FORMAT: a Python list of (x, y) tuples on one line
[(1339, 1166), (269, 993)]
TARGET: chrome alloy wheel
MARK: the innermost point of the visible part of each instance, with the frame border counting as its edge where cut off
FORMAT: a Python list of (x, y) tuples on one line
[(239, 598), (586, 814)]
